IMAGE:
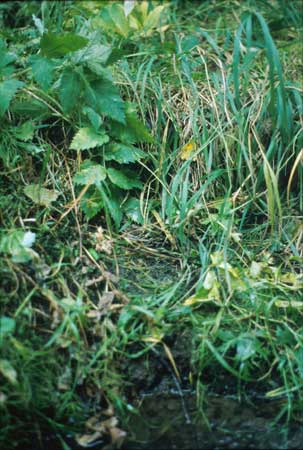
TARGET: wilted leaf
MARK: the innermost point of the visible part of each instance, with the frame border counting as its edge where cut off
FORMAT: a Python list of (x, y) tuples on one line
[(188, 150), (210, 279), (255, 269), (87, 138), (117, 436), (8, 371), (40, 195), (88, 440), (56, 46)]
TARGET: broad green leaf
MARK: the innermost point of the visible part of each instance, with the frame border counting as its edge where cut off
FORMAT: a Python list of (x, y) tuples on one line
[(8, 371), (40, 195), (69, 89), (6, 58), (106, 100), (87, 138), (8, 89), (118, 17), (56, 46), (133, 210), (90, 174), (123, 181), (26, 131), (42, 70), (91, 203), (96, 52), (153, 18), (94, 118), (112, 203), (123, 154), (32, 109)]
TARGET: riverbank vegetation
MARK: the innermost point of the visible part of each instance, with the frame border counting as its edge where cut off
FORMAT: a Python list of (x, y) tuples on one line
[(151, 209)]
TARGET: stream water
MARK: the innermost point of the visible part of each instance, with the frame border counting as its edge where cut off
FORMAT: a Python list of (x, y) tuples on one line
[(165, 423)]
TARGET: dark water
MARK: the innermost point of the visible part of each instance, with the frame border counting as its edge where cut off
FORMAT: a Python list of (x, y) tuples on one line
[(164, 423), (168, 421)]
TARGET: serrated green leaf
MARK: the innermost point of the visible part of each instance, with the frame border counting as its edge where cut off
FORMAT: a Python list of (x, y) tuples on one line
[(90, 174), (42, 70), (91, 203), (40, 195), (105, 99), (122, 180), (113, 205), (133, 210), (6, 58), (32, 109), (95, 52), (87, 138), (94, 118), (26, 131), (69, 89), (56, 46), (123, 154), (8, 89)]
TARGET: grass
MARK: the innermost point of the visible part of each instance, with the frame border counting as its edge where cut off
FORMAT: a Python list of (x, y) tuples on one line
[(209, 251)]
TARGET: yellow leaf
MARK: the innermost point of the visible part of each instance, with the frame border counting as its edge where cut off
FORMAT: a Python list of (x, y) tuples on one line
[(187, 150)]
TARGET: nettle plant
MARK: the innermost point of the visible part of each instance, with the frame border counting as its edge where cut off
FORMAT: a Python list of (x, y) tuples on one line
[(108, 126), (72, 72)]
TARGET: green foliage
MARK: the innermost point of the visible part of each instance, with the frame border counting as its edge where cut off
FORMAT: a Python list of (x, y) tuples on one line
[(87, 138), (57, 46), (8, 89), (199, 213)]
